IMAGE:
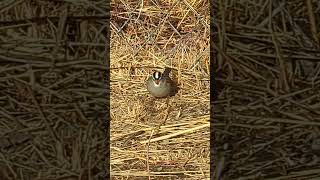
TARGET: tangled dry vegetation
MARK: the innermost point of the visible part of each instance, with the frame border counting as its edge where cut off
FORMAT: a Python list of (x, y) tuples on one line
[(52, 94), (266, 119), (163, 138)]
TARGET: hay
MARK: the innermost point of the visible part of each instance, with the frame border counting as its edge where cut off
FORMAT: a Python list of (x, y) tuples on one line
[(52, 107), (159, 138), (266, 116)]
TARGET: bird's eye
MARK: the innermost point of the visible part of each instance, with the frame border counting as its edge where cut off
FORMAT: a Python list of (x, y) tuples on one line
[(157, 75)]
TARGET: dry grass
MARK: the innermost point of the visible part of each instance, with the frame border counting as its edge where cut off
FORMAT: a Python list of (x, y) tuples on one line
[(266, 120), (52, 107), (162, 138)]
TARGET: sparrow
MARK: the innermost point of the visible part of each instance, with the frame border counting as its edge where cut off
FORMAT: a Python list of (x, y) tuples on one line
[(160, 85)]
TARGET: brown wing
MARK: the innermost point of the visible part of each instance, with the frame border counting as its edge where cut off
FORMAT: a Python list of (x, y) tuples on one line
[(166, 72)]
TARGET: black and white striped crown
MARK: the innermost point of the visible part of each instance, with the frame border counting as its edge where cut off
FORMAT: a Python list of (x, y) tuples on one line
[(157, 75)]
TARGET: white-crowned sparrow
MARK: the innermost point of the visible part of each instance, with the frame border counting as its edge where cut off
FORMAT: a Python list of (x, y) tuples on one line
[(160, 85)]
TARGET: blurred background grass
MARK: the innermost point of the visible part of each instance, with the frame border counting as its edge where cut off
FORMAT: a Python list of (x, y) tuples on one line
[(266, 118)]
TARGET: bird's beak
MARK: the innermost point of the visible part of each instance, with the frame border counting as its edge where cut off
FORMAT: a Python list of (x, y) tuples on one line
[(157, 82)]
